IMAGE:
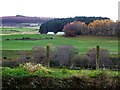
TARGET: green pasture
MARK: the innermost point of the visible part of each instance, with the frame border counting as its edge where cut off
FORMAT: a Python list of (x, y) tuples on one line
[(82, 43), (10, 30)]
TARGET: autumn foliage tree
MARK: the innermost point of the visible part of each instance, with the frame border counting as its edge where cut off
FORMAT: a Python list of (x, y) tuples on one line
[(102, 27), (75, 28)]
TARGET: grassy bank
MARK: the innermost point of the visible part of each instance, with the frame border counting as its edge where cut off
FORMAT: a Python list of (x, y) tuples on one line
[(56, 72), (21, 78)]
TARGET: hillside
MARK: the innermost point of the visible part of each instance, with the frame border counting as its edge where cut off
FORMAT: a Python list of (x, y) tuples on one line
[(19, 19)]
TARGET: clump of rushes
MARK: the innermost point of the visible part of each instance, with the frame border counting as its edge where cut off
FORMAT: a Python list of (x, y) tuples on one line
[(31, 67)]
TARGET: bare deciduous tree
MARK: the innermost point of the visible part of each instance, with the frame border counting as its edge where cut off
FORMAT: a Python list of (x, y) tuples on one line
[(104, 60), (64, 54), (23, 57), (39, 54)]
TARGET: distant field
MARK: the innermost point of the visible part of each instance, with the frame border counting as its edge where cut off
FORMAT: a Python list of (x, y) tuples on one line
[(83, 43), (18, 30)]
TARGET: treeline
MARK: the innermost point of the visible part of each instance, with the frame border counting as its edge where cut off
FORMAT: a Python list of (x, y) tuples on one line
[(96, 28), (23, 19), (57, 24)]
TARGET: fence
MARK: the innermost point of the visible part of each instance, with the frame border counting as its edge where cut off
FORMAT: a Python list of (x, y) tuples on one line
[(61, 56)]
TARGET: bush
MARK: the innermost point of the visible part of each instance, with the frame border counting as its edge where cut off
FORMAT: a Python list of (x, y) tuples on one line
[(64, 55), (54, 63), (10, 63), (104, 58), (76, 61), (116, 62), (80, 61), (39, 54), (4, 57), (23, 58)]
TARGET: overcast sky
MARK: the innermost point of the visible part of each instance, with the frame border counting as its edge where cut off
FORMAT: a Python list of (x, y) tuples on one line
[(60, 8)]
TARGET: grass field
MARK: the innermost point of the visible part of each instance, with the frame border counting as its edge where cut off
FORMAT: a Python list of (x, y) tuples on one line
[(83, 43), (18, 30)]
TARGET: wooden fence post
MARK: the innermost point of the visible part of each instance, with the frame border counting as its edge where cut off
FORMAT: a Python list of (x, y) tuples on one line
[(97, 57), (47, 56)]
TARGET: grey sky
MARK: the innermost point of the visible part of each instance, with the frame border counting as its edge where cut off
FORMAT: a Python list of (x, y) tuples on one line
[(60, 8)]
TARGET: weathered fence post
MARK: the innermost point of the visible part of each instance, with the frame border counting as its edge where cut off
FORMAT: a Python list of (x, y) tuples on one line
[(97, 57), (47, 56)]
